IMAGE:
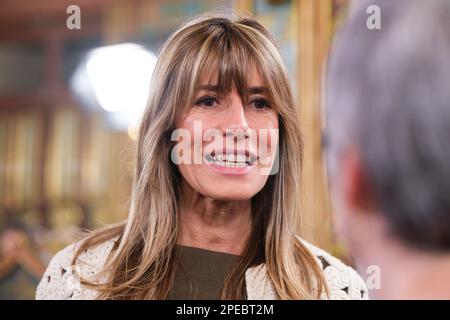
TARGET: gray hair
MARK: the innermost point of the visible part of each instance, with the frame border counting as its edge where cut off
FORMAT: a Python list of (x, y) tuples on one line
[(388, 95)]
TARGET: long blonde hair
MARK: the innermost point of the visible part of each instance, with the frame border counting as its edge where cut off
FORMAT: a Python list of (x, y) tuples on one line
[(143, 264)]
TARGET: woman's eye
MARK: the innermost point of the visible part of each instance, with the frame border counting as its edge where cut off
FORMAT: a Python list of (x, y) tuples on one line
[(207, 102), (260, 104)]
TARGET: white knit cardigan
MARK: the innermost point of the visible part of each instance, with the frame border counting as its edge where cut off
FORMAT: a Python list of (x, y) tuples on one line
[(61, 282)]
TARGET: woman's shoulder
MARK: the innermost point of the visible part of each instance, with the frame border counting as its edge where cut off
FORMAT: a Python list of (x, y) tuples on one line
[(61, 280), (343, 281)]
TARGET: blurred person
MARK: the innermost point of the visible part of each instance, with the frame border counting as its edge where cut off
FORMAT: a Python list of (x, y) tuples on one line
[(20, 265), (388, 145), (218, 229)]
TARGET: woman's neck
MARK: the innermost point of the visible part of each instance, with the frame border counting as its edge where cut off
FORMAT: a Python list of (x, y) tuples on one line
[(216, 225)]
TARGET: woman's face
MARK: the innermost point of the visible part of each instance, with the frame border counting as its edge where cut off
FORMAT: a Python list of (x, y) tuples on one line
[(231, 146)]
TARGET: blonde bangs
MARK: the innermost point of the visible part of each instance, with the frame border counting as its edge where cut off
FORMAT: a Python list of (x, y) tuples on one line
[(226, 58)]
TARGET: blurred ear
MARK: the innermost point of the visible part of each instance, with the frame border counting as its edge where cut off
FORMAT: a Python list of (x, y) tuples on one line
[(357, 190)]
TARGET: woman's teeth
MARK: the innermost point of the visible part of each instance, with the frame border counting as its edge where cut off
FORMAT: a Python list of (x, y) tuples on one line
[(228, 160)]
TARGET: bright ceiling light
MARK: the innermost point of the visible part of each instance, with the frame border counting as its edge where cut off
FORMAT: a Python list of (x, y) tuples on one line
[(120, 76)]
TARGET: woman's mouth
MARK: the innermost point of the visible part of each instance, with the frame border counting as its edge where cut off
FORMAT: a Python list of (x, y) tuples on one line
[(231, 163)]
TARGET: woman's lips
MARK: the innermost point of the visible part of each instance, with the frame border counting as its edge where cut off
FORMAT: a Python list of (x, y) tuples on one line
[(230, 171), (231, 164)]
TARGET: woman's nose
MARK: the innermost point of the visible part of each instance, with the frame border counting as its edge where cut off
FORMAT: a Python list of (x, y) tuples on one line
[(235, 125), (235, 117)]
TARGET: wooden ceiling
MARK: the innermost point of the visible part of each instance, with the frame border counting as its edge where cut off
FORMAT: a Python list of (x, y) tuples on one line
[(43, 22), (25, 20)]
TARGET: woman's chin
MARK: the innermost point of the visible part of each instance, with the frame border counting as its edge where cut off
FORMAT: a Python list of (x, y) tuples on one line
[(233, 188)]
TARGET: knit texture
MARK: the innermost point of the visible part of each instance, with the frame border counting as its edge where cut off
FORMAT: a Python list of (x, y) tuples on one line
[(60, 281)]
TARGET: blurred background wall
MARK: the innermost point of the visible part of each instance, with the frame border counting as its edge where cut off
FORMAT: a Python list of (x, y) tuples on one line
[(66, 160)]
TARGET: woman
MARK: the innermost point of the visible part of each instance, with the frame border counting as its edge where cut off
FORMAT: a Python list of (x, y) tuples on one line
[(208, 220)]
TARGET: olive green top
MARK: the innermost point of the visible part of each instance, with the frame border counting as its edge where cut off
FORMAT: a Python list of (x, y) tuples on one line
[(200, 274)]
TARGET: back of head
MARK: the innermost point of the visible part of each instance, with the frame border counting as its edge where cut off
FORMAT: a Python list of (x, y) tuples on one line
[(388, 95)]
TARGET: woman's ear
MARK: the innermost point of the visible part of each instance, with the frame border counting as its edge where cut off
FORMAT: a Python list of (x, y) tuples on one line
[(358, 191)]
